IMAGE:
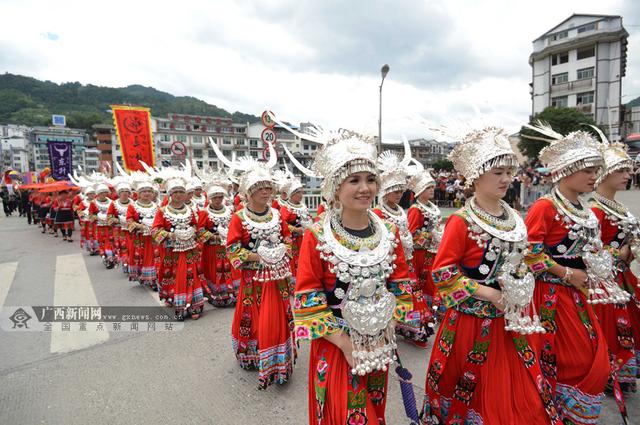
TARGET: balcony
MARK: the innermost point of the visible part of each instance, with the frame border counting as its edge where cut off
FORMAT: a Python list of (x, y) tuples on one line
[(585, 83)]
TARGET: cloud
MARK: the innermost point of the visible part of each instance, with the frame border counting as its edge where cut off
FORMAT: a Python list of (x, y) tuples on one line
[(307, 60)]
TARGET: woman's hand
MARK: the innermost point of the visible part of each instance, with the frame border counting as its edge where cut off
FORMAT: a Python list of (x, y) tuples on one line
[(342, 341), (625, 253), (253, 257), (578, 279)]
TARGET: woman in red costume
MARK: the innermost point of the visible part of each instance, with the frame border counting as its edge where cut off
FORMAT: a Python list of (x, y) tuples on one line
[(620, 322), (118, 218), (213, 226), (393, 183), (103, 234), (175, 225), (64, 216), (262, 328), (483, 369), (347, 302), (295, 213), (140, 216), (567, 255), (425, 224)]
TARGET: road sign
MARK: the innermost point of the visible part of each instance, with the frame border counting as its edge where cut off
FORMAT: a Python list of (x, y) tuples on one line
[(269, 136), (266, 119), (178, 148)]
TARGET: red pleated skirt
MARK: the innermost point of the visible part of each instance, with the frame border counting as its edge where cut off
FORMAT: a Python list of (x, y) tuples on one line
[(336, 397), (262, 329), (474, 359), (573, 352), (217, 272)]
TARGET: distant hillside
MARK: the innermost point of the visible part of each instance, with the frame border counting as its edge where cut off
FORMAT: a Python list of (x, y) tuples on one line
[(635, 102), (28, 101)]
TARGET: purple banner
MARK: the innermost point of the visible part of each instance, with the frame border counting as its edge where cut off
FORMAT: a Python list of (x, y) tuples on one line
[(60, 155)]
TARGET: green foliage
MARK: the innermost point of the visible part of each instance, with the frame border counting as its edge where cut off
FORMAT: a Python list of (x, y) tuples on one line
[(443, 164), (25, 100), (562, 120), (635, 102)]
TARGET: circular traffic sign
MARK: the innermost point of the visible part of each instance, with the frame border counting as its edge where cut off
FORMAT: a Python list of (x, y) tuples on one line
[(269, 136), (178, 148), (266, 119)]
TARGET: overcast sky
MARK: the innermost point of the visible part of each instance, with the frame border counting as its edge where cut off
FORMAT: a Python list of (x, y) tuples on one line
[(451, 61)]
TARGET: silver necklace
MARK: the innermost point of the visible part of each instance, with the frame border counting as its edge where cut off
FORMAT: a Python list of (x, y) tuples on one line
[(343, 233)]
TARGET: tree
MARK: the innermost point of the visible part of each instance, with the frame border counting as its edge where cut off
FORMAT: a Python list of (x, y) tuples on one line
[(443, 164), (562, 120), (85, 120)]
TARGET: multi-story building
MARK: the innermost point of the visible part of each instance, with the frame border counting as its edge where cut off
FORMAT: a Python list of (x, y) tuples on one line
[(40, 136), (193, 132), (104, 137), (580, 64), (426, 151), (14, 148)]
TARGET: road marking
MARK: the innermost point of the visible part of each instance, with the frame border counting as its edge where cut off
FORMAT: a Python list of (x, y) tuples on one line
[(73, 287), (7, 273)]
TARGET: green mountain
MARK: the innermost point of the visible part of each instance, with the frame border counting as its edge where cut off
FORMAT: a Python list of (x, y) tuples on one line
[(635, 102), (28, 101)]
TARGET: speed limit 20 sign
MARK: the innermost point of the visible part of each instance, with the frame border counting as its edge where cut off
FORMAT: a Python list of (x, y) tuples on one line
[(268, 136)]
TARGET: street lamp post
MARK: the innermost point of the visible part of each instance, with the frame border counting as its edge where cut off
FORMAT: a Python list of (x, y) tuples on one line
[(383, 71)]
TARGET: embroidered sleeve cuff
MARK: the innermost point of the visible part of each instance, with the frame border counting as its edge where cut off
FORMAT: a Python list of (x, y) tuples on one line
[(159, 235), (204, 235), (538, 260), (402, 291), (615, 252), (453, 286), (237, 255), (313, 318)]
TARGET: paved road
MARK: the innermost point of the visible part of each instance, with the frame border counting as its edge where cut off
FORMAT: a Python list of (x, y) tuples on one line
[(188, 376)]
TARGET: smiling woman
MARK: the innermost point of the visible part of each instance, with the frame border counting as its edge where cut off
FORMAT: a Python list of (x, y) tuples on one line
[(352, 287)]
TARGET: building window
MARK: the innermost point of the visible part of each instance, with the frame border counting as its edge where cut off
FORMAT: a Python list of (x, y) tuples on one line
[(211, 153), (559, 102), (585, 73), (213, 164), (253, 143), (164, 138), (199, 164), (240, 142), (226, 141), (165, 151), (197, 139), (239, 130), (560, 58), (584, 98), (588, 27), (181, 138), (226, 152), (560, 35), (587, 52), (560, 78), (197, 153)]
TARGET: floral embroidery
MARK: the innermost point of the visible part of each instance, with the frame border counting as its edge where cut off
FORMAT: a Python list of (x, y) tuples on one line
[(537, 259), (313, 318), (453, 285)]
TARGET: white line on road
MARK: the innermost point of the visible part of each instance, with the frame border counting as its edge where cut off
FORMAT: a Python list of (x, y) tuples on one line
[(73, 287), (7, 273)]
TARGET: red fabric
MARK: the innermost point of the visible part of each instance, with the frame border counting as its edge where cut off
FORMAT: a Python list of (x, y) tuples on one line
[(215, 265), (314, 274), (581, 362), (133, 127), (505, 392), (237, 203), (180, 272), (296, 239), (142, 253), (321, 209), (263, 319), (422, 260)]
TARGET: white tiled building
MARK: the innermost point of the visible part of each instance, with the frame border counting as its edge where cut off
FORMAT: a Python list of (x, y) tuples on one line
[(580, 64), (14, 147)]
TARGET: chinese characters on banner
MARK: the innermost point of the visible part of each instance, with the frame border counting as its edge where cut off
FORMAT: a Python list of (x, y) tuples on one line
[(133, 127), (60, 156)]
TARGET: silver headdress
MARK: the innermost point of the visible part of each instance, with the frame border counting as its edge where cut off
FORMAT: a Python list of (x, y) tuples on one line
[(568, 154), (255, 174), (420, 178), (215, 183), (614, 154), (393, 170), (172, 178), (482, 150), (341, 154), (85, 184)]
